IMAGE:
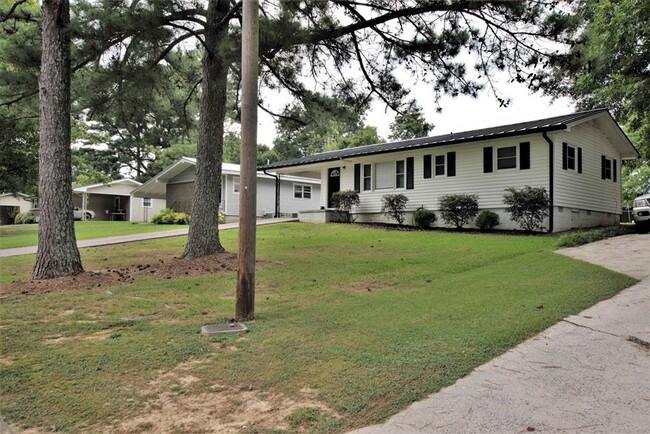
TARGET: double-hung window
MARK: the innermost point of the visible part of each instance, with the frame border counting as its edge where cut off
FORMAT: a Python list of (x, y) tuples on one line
[(400, 174), (146, 202), (571, 158), (384, 175), (439, 169), (367, 177), (236, 186), (301, 191), (507, 158)]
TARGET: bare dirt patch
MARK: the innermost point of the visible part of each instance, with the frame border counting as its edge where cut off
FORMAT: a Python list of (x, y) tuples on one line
[(368, 286), (97, 336), (177, 405), (162, 269)]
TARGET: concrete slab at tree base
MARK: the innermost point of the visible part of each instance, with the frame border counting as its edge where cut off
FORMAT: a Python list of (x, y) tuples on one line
[(584, 374), (218, 329)]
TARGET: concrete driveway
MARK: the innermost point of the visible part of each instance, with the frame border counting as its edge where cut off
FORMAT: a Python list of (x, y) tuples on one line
[(590, 373)]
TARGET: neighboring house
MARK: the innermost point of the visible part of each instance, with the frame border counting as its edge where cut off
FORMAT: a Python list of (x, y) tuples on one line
[(12, 204), (113, 201), (576, 157), (175, 184)]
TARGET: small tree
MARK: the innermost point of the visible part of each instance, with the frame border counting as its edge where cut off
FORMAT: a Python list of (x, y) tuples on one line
[(458, 209), (527, 206), (393, 207), (343, 201)]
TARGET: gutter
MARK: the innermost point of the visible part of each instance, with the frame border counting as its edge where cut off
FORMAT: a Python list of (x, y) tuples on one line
[(551, 169), (276, 214)]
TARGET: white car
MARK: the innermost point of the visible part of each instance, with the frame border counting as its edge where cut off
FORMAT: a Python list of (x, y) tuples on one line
[(83, 215), (641, 212)]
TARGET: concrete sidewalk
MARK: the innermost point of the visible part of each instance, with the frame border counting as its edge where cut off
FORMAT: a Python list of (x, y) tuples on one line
[(4, 253), (590, 373)]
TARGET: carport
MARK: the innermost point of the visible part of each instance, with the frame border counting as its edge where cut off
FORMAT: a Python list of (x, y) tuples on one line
[(111, 201)]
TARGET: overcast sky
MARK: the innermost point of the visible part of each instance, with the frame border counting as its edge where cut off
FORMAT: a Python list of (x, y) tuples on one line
[(458, 114)]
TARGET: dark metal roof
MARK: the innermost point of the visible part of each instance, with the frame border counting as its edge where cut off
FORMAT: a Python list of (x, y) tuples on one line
[(522, 128)]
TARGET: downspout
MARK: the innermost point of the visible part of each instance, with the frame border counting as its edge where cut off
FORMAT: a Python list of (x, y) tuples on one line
[(551, 170), (276, 214)]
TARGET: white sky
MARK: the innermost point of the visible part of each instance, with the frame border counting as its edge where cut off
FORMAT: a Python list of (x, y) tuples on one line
[(458, 114)]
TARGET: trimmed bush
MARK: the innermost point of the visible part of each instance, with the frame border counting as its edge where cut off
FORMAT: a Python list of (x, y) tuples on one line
[(487, 220), (25, 218), (343, 201), (168, 216), (458, 209), (393, 207), (423, 217), (527, 206), (575, 239)]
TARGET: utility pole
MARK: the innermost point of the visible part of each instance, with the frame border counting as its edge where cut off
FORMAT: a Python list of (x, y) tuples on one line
[(245, 305)]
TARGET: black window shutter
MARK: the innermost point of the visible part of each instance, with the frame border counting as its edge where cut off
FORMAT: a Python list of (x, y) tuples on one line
[(524, 155), (602, 166), (451, 164), (579, 160), (410, 164), (427, 166), (565, 152), (487, 160), (614, 170), (357, 178)]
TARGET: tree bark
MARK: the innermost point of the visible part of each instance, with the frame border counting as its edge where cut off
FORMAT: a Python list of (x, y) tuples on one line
[(203, 237), (57, 253)]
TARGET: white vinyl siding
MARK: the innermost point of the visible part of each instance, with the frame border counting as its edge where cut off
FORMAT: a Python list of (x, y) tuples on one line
[(586, 190), (469, 178)]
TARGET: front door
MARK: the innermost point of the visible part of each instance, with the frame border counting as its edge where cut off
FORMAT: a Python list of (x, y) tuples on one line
[(333, 183)]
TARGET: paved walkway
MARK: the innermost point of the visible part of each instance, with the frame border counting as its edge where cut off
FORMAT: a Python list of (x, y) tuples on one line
[(590, 373), (4, 253)]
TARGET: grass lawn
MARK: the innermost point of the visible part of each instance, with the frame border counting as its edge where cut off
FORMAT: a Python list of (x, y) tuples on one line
[(27, 235), (353, 323)]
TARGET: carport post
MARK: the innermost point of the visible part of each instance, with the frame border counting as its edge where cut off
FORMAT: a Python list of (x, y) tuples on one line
[(84, 205)]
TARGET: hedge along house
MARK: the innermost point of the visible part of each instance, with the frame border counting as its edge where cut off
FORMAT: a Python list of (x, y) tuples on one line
[(575, 157), (113, 201), (276, 195)]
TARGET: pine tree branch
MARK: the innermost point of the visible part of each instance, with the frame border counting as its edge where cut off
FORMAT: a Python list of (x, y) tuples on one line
[(177, 41), (278, 115), (11, 13)]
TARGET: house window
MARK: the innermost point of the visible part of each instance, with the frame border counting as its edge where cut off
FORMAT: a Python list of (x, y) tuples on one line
[(440, 165), (400, 173), (507, 158), (236, 186), (608, 168), (146, 202), (571, 158), (384, 175), (367, 177), (301, 191)]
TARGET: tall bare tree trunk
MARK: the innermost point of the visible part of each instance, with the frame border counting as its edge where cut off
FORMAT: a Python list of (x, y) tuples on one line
[(203, 237), (57, 253)]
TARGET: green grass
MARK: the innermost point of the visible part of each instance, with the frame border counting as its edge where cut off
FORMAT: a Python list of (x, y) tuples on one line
[(27, 235), (586, 236), (439, 305)]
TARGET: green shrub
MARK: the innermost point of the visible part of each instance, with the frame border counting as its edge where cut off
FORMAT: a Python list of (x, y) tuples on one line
[(527, 206), (168, 216), (458, 209), (25, 218), (579, 238), (423, 217), (393, 206), (343, 201), (487, 220)]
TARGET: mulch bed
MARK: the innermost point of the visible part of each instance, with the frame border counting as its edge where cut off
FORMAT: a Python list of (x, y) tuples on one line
[(162, 269)]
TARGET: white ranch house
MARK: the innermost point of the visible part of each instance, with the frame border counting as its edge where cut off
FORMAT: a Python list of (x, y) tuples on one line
[(113, 201), (576, 157), (276, 195), (12, 204)]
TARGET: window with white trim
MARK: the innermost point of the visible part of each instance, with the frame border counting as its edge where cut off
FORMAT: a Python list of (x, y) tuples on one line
[(301, 191), (571, 158), (608, 168), (236, 186), (439, 165), (146, 202), (400, 174), (507, 158), (367, 177)]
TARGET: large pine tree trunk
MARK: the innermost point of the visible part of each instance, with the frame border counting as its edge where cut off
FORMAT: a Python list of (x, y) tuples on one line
[(203, 237), (57, 253)]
